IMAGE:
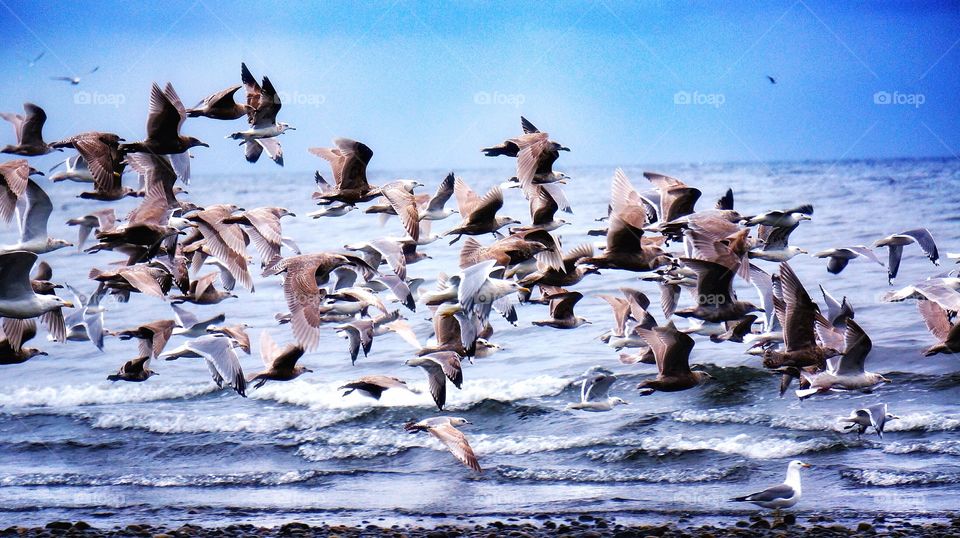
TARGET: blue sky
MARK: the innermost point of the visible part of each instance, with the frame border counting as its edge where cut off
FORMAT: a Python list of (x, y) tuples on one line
[(426, 84)]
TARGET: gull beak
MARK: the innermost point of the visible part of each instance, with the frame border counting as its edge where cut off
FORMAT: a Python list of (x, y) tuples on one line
[(805, 465), (563, 148), (523, 290), (68, 304), (204, 144)]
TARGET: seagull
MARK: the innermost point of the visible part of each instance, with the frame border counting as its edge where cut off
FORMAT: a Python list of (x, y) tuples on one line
[(374, 385), (481, 286), (715, 300), (36, 59), (593, 393), (875, 416), (220, 106), (33, 217), (221, 360), (561, 311), (12, 352), (302, 274), (29, 131), (938, 323), (479, 214), (445, 429), (775, 246), (332, 211), (152, 337), (626, 248), (784, 495), (19, 302), (75, 80), (101, 219), (348, 162), (262, 226), (86, 322), (896, 242), (280, 362), (435, 206), (13, 183), (799, 335), (841, 256), (237, 334), (75, 169), (101, 159), (771, 79), (671, 348), (165, 118), (847, 372), (783, 218), (136, 370), (189, 325), (535, 154), (945, 291), (439, 366), (263, 105)]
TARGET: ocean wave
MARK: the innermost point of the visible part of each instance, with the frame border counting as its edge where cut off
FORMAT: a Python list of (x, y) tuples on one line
[(927, 421), (890, 478), (165, 481), (270, 422), (320, 445), (66, 396), (743, 444), (602, 475), (951, 447)]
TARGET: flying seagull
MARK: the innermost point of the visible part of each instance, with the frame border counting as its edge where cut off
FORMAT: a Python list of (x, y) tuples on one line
[(896, 242), (594, 392), (445, 429), (74, 80), (874, 416)]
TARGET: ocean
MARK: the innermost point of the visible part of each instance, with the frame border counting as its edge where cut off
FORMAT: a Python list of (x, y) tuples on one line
[(176, 449)]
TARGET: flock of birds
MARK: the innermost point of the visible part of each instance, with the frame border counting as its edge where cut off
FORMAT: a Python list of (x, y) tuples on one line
[(694, 257)]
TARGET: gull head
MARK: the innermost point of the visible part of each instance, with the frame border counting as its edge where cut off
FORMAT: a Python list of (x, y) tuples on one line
[(614, 401), (459, 421), (194, 142), (55, 302), (797, 465), (281, 127), (56, 244)]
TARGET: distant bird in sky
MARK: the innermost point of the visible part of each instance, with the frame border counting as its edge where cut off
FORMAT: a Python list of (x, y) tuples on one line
[(34, 61), (74, 80), (771, 79)]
